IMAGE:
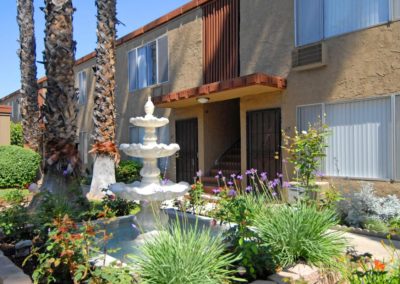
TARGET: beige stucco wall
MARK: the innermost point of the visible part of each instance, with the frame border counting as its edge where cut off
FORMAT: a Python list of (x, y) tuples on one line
[(4, 129), (185, 71), (361, 64), (221, 130)]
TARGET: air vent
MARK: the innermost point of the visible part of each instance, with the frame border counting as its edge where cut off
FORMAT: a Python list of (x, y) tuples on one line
[(309, 57)]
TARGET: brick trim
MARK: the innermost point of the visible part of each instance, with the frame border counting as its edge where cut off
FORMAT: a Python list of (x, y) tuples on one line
[(239, 82)]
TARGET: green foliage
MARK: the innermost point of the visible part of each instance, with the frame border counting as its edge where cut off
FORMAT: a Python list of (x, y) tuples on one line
[(65, 257), (306, 150), (110, 207), (13, 223), (362, 269), (13, 196), (18, 166), (196, 199), (16, 134), (375, 225), (300, 233), (185, 255), (128, 171)]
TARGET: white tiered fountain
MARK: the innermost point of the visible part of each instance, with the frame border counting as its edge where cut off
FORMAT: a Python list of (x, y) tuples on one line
[(151, 191)]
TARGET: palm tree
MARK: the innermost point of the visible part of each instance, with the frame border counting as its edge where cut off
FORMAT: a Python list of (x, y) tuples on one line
[(29, 86), (60, 110), (104, 148)]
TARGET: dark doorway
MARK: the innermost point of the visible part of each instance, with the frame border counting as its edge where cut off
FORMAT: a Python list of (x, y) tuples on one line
[(264, 141), (187, 159)]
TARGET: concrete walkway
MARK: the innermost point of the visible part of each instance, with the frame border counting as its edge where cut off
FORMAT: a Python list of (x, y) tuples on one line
[(372, 245)]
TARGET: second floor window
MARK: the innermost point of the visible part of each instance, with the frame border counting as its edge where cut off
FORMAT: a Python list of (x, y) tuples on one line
[(82, 85), (148, 64), (320, 19)]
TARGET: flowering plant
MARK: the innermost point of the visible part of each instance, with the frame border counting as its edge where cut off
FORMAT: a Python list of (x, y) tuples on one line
[(305, 151)]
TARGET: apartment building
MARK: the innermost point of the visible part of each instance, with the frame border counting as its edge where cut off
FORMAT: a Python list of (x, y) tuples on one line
[(232, 74)]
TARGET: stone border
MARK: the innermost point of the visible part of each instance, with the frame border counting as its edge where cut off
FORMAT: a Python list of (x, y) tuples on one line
[(365, 232), (10, 273)]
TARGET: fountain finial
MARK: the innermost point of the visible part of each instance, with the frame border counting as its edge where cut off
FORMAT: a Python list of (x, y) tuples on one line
[(149, 107)]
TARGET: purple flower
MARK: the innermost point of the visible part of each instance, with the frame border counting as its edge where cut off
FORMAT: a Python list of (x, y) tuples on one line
[(164, 181), (232, 193), (249, 189), (199, 173), (230, 183), (319, 174), (263, 176), (65, 173), (233, 175), (216, 191), (134, 226), (284, 161), (274, 193), (239, 177), (279, 175), (248, 172), (220, 172), (286, 184), (217, 176)]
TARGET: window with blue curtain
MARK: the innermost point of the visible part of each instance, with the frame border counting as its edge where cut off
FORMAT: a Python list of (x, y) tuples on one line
[(148, 65), (319, 19)]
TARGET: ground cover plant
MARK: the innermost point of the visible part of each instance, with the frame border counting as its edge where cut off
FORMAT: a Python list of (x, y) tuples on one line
[(300, 233), (185, 254), (366, 210), (18, 166)]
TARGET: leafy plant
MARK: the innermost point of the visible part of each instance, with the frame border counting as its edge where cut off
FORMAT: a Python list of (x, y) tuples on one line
[(14, 222), (128, 171), (300, 233), (16, 134), (13, 196), (361, 206), (375, 225), (195, 193), (185, 255), (306, 150), (119, 206), (65, 257), (18, 166)]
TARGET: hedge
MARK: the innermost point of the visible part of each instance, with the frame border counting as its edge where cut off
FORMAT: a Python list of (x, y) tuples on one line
[(128, 171), (18, 166)]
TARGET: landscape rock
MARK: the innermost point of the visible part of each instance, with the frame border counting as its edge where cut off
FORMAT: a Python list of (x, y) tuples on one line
[(23, 248)]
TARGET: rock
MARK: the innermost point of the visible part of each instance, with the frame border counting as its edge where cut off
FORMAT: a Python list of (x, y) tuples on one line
[(11, 274), (308, 273), (23, 248), (263, 282), (33, 187), (284, 277)]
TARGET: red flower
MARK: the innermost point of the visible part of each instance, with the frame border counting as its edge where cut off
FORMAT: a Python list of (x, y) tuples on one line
[(379, 265)]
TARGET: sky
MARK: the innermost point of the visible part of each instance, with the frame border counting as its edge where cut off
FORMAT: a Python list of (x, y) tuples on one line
[(132, 13)]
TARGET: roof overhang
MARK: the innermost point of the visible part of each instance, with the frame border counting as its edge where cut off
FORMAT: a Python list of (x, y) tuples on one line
[(253, 84)]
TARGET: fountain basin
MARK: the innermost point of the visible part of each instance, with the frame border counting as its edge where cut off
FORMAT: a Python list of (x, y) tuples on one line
[(150, 192), (149, 121), (149, 151)]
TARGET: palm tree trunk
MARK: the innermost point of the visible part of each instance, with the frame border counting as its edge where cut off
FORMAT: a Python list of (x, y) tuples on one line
[(62, 170), (104, 149), (29, 86)]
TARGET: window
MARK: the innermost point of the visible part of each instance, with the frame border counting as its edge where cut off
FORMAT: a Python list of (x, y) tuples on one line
[(319, 19), (136, 135), (360, 142), (84, 146), (82, 81), (148, 64)]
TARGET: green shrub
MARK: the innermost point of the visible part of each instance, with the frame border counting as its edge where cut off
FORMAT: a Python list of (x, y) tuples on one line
[(13, 195), (16, 134), (185, 255), (18, 166), (14, 221), (300, 233), (128, 171), (376, 225)]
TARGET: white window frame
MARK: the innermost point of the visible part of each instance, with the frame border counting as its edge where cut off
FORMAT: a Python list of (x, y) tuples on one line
[(82, 100), (392, 139), (391, 13), (137, 71)]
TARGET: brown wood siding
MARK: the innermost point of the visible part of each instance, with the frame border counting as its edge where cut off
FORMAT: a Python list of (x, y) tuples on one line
[(220, 40)]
